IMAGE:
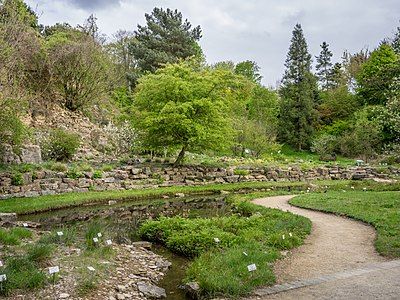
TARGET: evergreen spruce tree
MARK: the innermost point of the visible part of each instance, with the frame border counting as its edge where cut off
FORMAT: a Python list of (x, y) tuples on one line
[(396, 41), (324, 67), (299, 93)]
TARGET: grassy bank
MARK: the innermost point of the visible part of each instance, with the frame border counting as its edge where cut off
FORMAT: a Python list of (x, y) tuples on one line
[(223, 247), (380, 209), (52, 202)]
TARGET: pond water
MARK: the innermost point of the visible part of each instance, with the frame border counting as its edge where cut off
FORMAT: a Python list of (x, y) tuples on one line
[(122, 220)]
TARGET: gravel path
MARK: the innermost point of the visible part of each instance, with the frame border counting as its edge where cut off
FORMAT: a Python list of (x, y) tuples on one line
[(335, 245)]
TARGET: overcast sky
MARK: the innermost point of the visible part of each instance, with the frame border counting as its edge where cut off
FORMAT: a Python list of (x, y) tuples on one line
[(246, 29)]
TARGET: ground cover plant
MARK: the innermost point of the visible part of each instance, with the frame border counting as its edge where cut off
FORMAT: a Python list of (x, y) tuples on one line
[(27, 258), (380, 209), (223, 247)]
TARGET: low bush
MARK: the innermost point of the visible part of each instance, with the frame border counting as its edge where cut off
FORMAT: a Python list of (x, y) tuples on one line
[(61, 145), (17, 179)]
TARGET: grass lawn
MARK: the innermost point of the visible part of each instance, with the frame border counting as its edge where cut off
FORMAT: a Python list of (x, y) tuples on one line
[(52, 202), (380, 209)]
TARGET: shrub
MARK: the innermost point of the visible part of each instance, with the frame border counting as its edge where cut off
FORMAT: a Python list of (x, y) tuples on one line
[(61, 145), (97, 174), (17, 179), (325, 146), (241, 172), (73, 173)]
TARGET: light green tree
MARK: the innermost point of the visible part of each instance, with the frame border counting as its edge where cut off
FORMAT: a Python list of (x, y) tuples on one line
[(187, 107), (377, 74)]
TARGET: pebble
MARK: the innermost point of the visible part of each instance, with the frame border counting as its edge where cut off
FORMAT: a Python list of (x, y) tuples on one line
[(63, 296)]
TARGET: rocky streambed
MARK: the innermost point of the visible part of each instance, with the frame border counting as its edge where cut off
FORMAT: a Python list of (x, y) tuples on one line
[(134, 269)]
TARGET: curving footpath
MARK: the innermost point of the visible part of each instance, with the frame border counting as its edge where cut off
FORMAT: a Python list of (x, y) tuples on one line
[(337, 261)]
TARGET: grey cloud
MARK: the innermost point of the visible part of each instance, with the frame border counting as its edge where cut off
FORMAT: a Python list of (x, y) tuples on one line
[(94, 4), (259, 30)]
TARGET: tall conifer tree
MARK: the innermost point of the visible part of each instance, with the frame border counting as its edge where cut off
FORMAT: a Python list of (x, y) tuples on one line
[(299, 93), (324, 67)]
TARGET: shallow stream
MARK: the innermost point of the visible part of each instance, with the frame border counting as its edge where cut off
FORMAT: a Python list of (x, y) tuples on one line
[(124, 218)]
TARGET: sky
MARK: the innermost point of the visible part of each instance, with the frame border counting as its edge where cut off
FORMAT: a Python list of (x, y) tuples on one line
[(241, 30)]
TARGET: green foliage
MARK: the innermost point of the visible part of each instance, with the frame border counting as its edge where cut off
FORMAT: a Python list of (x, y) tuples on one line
[(186, 108), (326, 146), (218, 245), (377, 74), (250, 70), (225, 272), (324, 67), (12, 130), (241, 172), (61, 145), (166, 38), (9, 9), (97, 174), (39, 253), (364, 139), (299, 94), (56, 166), (22, 274), (91, 232), (337, 104), (17, 179), (74, 173), (380, 209), (80, 68)]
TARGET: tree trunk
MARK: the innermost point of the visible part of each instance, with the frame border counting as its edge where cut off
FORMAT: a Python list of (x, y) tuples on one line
[(180, 156)]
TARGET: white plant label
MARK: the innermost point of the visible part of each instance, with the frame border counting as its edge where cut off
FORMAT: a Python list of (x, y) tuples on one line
[(91, 269), (25, 224), (216, 240), (252, 267), (96, 240), (53, 270), (108, 242), (99, 234), (245, 254), (1, 263), (283, 236), (290, 234), (60, 233), (3, 277)]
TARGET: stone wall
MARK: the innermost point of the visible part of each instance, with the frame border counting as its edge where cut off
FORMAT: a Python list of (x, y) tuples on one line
[(134, 177)]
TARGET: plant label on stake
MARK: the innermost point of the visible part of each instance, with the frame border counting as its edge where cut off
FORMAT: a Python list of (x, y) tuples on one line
[(1, 263), (99, 235), (283, 236), (290, 234), (25, 224), (245, 254), (60, 233), (108, 242), (216, 240), (252, 267), (95, 240), (91, 269), (53, 271), (3, 277)]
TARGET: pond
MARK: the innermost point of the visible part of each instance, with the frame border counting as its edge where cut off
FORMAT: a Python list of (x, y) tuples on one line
[(122, 219)]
